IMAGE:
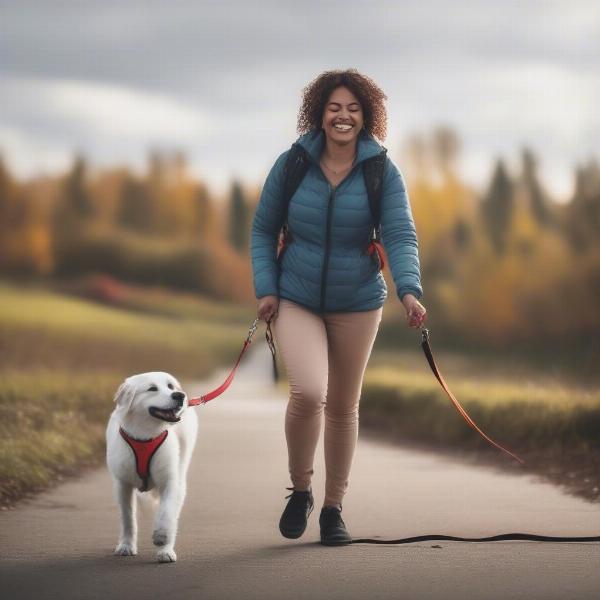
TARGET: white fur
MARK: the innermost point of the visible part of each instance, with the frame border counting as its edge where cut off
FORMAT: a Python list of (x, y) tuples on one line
[(168, 468)]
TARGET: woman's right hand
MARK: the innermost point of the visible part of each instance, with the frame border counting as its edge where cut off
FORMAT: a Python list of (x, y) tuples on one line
[(267, 307)]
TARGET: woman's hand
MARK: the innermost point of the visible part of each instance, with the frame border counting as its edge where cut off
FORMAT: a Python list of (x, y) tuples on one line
[(416, 315), (267, 307)]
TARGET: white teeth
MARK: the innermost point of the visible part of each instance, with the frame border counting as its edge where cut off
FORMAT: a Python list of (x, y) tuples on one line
[(342, 127)]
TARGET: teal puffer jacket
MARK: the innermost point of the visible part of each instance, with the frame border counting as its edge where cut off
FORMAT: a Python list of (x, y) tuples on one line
[(325, 267)]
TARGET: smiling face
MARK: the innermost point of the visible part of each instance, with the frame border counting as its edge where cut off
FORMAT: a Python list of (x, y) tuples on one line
[(157, 394), (342, 117)]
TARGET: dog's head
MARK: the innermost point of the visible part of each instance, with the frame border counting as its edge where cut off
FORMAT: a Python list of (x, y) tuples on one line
[(156, 394)]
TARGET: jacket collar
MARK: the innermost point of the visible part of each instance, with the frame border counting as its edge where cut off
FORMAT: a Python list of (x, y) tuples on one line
[(314, 142)]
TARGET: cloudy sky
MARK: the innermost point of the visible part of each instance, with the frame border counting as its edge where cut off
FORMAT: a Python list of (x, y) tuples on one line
[(222, 81)]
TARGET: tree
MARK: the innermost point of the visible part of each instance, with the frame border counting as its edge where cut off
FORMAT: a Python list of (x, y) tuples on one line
[(72, 217), (205, 217), (497, 207), (582, 214), (446, 150), (133, 210), (536, 197), (239, 219), (76, 198)]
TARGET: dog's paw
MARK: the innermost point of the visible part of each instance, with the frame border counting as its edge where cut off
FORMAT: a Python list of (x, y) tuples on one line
[(125, 550), (166, 555), (159, 537)]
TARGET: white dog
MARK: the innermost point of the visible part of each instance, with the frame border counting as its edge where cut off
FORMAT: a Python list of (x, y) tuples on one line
[(149, 442)]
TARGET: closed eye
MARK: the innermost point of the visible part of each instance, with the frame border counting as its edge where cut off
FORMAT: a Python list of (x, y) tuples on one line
[(153, 388)]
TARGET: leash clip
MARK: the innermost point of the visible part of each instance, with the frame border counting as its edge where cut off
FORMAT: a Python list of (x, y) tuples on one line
[(424, 334), (252, 329)]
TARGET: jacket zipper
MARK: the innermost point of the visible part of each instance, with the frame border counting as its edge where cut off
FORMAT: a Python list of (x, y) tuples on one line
[(327, 244), (328, 231)]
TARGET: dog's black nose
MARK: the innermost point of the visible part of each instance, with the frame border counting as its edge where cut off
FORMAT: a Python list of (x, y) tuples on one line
[(179, 397)]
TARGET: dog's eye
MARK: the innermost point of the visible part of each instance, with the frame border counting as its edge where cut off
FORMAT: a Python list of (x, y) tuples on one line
[(153, 389), (170, 386)]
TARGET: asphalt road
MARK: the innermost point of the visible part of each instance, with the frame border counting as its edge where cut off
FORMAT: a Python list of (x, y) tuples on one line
[(59, 545)]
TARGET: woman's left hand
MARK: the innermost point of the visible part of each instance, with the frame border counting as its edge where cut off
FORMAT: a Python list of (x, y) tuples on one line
[(416, 314)]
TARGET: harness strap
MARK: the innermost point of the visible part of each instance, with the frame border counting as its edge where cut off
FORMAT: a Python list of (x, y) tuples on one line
[(144, 450), (377, 247)]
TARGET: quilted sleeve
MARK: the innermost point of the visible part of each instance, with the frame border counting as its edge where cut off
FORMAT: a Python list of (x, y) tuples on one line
[(266, 225), (398, 233)]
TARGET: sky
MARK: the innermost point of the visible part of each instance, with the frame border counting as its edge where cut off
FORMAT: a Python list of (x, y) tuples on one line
[(222, 81)]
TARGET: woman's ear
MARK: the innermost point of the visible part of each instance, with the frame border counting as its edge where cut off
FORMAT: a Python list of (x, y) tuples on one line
[(125, 395)]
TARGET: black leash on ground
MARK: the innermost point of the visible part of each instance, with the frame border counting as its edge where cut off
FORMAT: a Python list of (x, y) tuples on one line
[(494, 538)]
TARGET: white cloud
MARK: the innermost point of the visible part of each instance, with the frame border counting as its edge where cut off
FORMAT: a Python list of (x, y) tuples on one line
[(26, 155), (105, 110)]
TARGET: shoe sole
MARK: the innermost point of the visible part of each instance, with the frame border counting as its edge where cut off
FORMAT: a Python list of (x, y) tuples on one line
[(294, 535), (335, 542)]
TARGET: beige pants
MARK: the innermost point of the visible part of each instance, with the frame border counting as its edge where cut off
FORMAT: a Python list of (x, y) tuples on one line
[(325, 357)]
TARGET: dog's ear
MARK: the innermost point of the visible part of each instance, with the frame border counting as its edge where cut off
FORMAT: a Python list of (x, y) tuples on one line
[(125, 395)]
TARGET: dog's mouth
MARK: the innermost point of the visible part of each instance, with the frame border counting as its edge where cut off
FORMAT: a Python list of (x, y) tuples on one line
[(165, 414)]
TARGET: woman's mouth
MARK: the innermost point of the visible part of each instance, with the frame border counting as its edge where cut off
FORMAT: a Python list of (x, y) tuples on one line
[(342, 127)]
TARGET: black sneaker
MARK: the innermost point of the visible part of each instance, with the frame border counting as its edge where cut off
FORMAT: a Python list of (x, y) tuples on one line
[(295, 515), (333, 528)]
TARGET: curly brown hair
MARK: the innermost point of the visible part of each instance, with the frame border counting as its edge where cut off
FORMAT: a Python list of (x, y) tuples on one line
[(368, 93)]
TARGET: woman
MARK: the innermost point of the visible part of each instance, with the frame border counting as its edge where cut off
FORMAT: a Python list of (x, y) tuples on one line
[(325, 293)]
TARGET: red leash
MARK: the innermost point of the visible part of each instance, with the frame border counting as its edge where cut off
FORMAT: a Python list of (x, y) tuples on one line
[(426, 349), (218, 391)]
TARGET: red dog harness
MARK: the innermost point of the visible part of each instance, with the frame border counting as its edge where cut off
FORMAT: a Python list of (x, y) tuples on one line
[(143, 451)]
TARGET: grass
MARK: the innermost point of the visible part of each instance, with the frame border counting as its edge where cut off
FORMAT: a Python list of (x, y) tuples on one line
[(554, 428), (50, 424), (39, 327), (62, 358)]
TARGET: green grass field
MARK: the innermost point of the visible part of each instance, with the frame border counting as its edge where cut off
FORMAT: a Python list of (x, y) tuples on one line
[(553, 426), (62, 358)]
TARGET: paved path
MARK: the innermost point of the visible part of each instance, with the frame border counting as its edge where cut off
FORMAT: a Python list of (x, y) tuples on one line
[(59, 545)]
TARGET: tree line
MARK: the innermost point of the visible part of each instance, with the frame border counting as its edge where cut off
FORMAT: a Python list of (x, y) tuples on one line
[(507, 262)]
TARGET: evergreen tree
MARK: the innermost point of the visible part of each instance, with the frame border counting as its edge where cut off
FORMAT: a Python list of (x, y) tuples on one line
[(73, 212), (537, 198), (239, 220), (76, 199), (205, 217), (6, 196), (582, 214), (133, 210), (497, 207)]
